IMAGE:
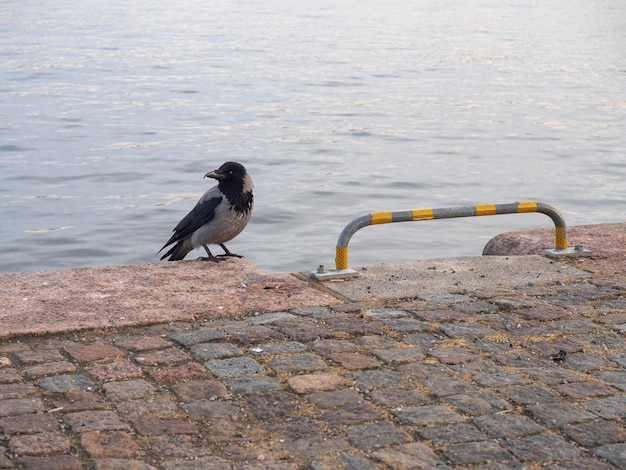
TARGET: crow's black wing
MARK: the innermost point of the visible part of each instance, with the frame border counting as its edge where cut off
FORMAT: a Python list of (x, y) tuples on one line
[(201, 214)]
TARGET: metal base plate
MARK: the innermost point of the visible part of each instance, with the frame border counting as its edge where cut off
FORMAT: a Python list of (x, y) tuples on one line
[(333, 274), (572, 252)]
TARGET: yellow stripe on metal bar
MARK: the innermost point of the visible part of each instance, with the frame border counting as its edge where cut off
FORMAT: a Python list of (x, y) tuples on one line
[(423, 214), (341, 257), (381, 218), (561, 238), (527, 206), (487, 209)]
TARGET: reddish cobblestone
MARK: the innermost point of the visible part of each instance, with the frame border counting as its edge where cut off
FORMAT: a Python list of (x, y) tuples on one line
[(309, 383), (17, 390), (163, 357), (200, 390), (21, 406), (83, 421), (122, 464), (413, 455), (330, 346), (355, 361), (39, 356), (52, 462), (180, 373), (351, 414), (585, 389), (163, 426), (128, 390), (40, 444), (28, 424), (114, 444), (50, 368), (81, 401), (138, 343), (93, 352), (10, 375), (154, 407), (117, 370)]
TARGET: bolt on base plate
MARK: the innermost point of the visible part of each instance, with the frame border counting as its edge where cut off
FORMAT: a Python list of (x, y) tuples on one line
[(570, 252), (323, 274)]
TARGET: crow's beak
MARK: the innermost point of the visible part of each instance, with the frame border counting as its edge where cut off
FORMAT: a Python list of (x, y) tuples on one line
[(216, 174)]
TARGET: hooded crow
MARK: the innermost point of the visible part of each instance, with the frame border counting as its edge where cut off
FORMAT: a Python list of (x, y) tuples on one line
[(219, 216)]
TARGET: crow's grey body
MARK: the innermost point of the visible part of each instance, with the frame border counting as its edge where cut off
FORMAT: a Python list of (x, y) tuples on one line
[(219, 216)]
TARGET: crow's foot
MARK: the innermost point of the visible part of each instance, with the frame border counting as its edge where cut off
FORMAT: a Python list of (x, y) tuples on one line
[(230, 255), (215, 259)]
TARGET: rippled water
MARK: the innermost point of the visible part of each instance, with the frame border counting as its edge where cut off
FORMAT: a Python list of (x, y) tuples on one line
[(112, 111)]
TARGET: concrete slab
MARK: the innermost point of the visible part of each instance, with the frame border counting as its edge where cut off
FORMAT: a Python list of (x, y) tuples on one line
[(71, 299), (452, 275), (606, 241)]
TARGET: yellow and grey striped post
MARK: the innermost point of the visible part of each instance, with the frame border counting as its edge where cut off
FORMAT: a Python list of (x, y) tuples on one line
[(376, 218)]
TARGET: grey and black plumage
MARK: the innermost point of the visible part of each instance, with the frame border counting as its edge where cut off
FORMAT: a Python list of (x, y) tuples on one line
[(219, 216)]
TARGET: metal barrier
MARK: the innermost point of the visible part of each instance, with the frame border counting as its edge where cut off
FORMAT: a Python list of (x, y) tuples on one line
[(341, 257)]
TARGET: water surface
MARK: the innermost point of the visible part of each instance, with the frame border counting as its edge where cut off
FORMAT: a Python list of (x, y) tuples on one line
[(112, 111)]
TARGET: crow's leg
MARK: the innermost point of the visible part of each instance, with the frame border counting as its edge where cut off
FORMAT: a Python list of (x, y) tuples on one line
[(210, 257), (227, 252)]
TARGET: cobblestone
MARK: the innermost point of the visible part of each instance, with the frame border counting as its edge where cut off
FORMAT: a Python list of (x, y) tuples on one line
[(28, 424), (205, 351), (452, 434), (50, 368), (233, 367), (334, 398), (376, 435), (596, 433), (545, 447), (446, 381)]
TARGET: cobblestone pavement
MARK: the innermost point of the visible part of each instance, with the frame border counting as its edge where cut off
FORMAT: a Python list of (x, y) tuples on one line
[(526, 378)]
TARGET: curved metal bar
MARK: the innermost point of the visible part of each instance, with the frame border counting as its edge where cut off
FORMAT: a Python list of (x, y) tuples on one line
[(376, 218)]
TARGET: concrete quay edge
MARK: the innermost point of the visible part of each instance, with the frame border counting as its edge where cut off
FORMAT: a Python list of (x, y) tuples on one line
[(476, 362)]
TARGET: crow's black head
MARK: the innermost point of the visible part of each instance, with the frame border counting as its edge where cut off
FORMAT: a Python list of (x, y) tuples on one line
[(235, 184), (229, 172)]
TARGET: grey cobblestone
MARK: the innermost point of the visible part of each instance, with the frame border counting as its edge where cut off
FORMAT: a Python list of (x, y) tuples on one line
[(529, 394), (505, 426), (479, 403), (195, 337), (377, 435), (478, 453), (428, 415), (466, 330), (609, 408), (204, 351), (398, 356), (596, 433), (248, 385), (557, 414), (334, 398), (234, 367), (399, 396), (278, 348), (544, 447), (500, 379), (66, 383), (406, 324), (614, 453), (452, 434)]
